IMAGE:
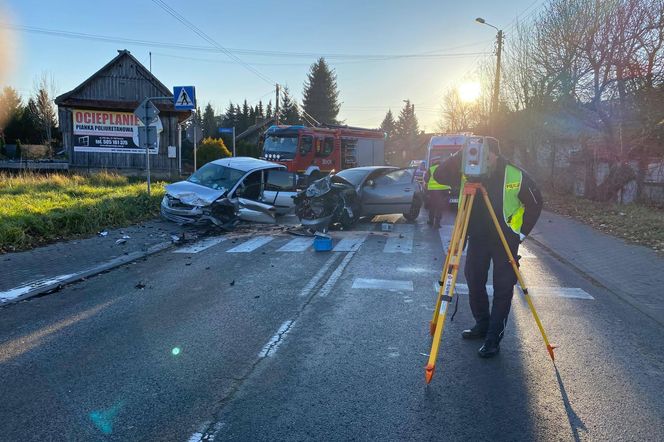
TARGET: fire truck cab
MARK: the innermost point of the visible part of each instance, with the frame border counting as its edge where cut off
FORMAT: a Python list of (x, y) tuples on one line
[(316, 151)]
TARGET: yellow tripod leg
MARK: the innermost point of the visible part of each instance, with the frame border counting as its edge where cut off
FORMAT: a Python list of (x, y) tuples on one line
[(450, 250), (447, 289), (519, 277)]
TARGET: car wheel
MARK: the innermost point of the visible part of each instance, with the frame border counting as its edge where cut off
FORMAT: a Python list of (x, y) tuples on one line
[(414, 210)]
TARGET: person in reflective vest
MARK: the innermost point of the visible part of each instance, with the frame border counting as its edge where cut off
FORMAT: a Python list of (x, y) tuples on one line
[(518, 203), (438, 196)]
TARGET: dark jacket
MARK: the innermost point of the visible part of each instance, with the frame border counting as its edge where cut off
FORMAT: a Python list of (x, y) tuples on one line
[(481, 225)]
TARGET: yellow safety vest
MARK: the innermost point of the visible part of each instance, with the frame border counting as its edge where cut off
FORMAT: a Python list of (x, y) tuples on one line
[(432, 184), (513, 208)]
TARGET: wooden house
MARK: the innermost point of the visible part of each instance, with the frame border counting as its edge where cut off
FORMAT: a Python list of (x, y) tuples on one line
[(100, 131)]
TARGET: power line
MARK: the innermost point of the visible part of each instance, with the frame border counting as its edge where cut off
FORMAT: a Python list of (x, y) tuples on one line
[(256, 52), (173, 13)]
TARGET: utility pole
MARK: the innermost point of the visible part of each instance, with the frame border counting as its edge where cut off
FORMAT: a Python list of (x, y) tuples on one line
[(276, 106), (147, 145), (496, 85)]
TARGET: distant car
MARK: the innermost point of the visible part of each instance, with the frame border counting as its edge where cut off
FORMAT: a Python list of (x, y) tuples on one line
[(225, 191), (357, 192)]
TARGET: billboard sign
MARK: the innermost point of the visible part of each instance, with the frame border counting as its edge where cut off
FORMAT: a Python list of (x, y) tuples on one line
[(109, 132)]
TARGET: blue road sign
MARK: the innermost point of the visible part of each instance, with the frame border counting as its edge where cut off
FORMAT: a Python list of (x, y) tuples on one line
[(225, 130), (184, 97)]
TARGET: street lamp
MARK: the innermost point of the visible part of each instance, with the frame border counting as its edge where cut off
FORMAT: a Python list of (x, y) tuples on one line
[(496, 84)]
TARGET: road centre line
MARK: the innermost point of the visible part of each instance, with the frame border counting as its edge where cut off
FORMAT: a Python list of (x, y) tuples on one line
[(251, 245), (275, 341), (382, 284), (334, 277), (543, 292), (297, 245), (200, 245), (313, 282)]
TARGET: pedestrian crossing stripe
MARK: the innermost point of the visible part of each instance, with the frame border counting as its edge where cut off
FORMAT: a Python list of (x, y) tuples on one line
[(544, 292)]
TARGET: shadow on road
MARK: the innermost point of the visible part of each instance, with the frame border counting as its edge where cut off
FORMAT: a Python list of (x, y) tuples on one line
[(575, 421)]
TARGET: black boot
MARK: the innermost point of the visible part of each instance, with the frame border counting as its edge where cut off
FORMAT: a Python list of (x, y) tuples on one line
[(477, 332), (490, 348)]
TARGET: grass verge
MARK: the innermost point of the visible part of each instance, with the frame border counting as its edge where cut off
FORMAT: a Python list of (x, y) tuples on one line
[(636, 223), (37, 209)]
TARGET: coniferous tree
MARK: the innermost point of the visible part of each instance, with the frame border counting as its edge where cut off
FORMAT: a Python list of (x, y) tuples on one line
[(289, 112), (321, 97), (268, 110), (388, 125), (230, 118), (407, 126), (260, 113), (406, 129), (245, 119), (209, 124)]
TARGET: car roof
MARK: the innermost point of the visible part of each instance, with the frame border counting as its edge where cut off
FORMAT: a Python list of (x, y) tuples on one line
[(246, 164), (371, 168)]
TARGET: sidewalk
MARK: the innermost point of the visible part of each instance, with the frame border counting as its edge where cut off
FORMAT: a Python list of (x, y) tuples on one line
[(24, 274), (633, 273)]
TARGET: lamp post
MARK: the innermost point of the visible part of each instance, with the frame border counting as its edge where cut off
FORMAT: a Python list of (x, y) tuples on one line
[(496, 84)]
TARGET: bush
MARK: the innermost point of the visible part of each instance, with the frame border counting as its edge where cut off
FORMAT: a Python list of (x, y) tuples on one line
[(18, 152), (3, 149), (211, 149)]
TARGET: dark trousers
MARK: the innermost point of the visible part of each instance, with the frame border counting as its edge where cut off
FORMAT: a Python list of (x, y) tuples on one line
[(438, 201), (481, 252)]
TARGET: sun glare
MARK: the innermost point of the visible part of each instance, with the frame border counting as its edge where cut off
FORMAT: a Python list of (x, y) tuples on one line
[(469, 91)]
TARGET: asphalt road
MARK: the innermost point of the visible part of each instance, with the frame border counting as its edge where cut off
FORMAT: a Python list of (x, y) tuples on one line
[(235, 343)]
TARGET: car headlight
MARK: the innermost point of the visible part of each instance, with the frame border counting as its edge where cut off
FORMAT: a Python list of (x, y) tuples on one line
[(164, 201)]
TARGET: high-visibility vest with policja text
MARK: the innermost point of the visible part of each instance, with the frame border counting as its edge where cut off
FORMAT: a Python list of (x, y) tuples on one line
[(513, 208)]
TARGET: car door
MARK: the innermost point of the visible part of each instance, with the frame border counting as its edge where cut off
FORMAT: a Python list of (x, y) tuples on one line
[(248, 193), (390, 192), (279, 190)]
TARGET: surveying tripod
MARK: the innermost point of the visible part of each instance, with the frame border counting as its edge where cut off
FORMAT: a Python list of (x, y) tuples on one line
[(451, 269)]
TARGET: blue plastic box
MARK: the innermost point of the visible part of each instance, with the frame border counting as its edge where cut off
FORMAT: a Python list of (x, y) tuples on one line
[(322, 244)]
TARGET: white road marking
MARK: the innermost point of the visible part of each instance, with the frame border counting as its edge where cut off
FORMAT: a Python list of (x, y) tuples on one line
[(402, 243), (313, 282), (544, 292), (200, 245), (275, 341), (445, 233), (297, 245), (420, 270), (251, 245), (383, 284), (350, 244), (18, 291), (334, 277), (560, 292)]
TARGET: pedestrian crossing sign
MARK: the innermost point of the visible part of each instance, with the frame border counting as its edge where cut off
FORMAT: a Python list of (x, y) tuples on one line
[(184, 97)]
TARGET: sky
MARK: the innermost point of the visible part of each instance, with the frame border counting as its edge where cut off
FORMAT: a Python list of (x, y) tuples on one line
[(383, 52)]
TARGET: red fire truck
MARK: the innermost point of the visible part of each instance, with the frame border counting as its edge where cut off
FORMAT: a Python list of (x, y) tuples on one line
[(315, 151)]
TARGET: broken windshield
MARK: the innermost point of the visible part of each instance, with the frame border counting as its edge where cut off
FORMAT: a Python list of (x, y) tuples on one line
[(216, 176)]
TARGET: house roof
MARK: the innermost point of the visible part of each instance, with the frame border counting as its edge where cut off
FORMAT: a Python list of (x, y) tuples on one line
[(255, 128), (123, 53)]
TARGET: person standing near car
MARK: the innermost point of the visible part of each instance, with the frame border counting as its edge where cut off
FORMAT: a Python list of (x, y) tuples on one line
[(518, 203), (438, 196)]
